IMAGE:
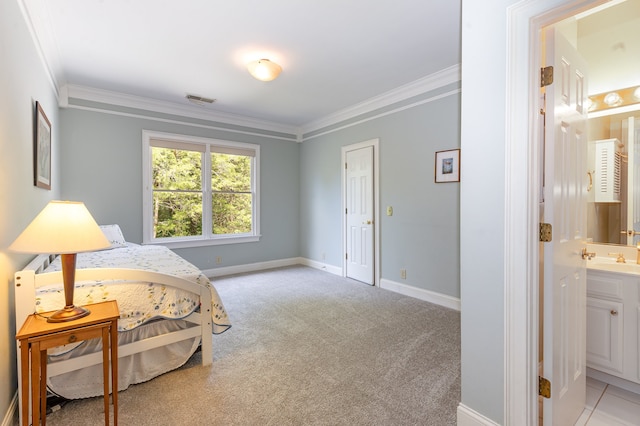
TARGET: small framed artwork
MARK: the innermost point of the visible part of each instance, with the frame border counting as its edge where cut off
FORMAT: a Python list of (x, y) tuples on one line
[(42, 149), (448, 166)]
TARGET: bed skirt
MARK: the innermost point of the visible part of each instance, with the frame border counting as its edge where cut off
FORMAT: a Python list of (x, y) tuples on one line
[(132, 369)]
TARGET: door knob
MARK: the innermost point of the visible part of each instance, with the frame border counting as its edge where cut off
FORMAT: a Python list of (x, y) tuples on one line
[(614, 312), (368, 222)]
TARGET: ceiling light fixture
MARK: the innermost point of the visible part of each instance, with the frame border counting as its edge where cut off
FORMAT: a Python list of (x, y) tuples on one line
[(264, 69)]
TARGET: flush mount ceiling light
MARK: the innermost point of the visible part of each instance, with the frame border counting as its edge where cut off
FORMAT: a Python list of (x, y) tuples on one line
[(264, 69)]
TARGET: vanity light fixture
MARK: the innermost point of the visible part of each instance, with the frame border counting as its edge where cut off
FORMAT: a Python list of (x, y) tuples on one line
[(613, 99), (264, 69)]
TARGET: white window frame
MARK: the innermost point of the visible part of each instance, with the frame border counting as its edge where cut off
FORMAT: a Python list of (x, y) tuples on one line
[(207, 238)]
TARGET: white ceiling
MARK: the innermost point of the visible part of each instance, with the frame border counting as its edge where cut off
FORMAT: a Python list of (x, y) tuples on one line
[(609, 40), (334, 53)]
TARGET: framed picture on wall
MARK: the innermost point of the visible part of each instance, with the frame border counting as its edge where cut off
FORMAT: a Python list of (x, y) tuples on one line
[(42, 149), (448, 166)]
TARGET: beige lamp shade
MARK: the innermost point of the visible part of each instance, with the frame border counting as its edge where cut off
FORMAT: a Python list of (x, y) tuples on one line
[(264, 69), (61, 227)]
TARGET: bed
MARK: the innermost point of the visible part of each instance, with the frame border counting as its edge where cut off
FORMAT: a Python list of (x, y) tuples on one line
[(168, 309)]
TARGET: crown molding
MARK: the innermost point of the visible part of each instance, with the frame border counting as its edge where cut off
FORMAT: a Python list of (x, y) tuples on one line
[(415, 88), (165, 107), (407, 91), (45, 43)]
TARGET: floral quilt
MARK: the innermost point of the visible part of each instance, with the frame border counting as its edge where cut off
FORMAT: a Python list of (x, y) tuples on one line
[(138, 302)]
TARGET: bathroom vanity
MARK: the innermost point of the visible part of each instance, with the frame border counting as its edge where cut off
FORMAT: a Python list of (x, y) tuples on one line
[(613, 322)]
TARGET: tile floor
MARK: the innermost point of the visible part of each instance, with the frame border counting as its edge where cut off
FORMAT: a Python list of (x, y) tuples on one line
[(609, 406)]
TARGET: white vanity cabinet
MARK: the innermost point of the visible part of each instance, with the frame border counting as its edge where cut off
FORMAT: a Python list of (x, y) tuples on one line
[(613, 324)]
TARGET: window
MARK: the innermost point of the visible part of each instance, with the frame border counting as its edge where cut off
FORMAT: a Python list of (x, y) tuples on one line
[(199, 191)]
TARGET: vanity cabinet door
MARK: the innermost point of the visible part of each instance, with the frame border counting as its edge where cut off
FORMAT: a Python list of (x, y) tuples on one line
[(605, 335)]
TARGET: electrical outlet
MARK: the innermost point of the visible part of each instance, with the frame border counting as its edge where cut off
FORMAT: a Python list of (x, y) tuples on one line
[(218, 260), (389, 211), (403, 274)]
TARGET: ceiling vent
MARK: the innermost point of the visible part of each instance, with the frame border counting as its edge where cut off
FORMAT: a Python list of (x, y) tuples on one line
[(199, 100)]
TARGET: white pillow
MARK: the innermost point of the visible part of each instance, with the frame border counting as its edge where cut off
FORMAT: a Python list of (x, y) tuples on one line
[(114, 235)]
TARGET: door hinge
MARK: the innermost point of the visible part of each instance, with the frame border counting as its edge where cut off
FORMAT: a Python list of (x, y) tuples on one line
[(546, 76), (544, 387), (346, 256), (545, 233)]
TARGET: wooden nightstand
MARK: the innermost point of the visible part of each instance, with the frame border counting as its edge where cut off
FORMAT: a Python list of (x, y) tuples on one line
[(37, 335)]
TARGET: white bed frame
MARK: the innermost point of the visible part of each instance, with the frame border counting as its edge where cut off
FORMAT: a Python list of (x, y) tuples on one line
[(31, 277)]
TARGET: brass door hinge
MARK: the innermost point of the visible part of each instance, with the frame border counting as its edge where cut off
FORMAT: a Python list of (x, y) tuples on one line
[(546, 76), (545, 232), (544, 387)]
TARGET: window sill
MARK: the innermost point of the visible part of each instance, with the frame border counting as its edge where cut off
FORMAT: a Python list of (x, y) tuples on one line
[(186, 243)]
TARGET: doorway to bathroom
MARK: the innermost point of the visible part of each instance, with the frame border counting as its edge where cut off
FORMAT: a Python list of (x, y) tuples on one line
[(600, 37)]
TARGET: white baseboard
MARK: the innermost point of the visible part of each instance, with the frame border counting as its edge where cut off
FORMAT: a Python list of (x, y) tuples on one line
[(422, 294), (407, 290), (613, 380), (11, 411), (251, 267), (261, 266), (469, 417), (335, 270)]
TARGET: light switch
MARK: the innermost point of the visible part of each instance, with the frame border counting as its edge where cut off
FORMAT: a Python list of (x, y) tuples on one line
[(389, 211)]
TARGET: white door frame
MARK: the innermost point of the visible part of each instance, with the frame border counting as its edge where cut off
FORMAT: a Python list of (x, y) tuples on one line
[(522, 177), (375, 143)]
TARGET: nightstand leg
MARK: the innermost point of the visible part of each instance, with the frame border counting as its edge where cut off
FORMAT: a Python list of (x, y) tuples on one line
[(35, 383), (114, 369), (105, 371), (43, 386), (24, 381)]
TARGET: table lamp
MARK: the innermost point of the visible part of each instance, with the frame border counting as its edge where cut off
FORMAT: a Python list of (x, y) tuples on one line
[(65, 228)]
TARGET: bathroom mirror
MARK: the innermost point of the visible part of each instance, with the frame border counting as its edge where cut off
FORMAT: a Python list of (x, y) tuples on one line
[(613, 60), (613, 163)]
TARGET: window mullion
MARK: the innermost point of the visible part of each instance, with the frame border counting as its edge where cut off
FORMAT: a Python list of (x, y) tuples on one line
[(207, 213)]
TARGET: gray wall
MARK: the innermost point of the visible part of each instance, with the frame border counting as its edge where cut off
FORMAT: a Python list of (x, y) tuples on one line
[(422, 235), (23, 81), (101, 163)]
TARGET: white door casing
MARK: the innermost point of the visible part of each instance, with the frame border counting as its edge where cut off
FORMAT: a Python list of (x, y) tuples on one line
[(525, 20), (360, 215), (564, 317)]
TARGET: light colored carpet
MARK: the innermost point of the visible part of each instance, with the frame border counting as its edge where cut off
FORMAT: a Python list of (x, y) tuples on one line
[(306, 348)]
